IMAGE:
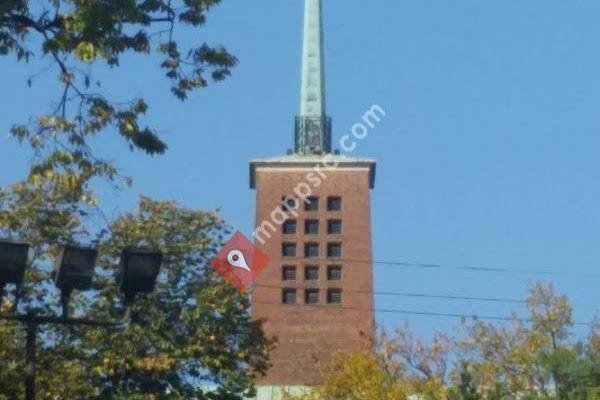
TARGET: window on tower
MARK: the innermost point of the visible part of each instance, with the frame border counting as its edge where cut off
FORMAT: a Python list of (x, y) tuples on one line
[(289, 203), (289, 227), (334, 203), (334, 272), (311, 204), (311, 250), (311, 296), (334, 226), (288, 296), (311, 273), (334, 250), (288, 273), (334, 296), (288, 249), (311, 226)]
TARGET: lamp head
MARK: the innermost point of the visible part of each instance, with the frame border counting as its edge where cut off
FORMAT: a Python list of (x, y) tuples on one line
[(139, 270), (74, 268), (13, 261)]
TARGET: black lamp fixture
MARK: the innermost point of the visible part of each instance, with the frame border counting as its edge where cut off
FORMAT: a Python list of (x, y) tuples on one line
[(13, 261), (74, 268), (139, 270)]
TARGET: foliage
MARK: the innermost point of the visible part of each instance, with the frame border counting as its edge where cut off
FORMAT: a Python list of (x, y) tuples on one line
[(403, 365), (357, 376), (76, 33), (421, 367), (192, 338), (533, 358), (465, 389), (194, 332), (11, 356)]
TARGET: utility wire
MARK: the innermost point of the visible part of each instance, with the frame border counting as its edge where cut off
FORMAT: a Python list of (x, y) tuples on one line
[(419, 295), (468, 268), (437, 296), (423, 265), (412, 312)]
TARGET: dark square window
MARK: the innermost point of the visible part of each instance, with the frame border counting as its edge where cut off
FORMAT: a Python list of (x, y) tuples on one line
[(289, 227), (311, 226), (311, 296), (334, 226), (311, 204), (334, 296), (334, 203), (288, 273), (311, 250), (288, 296), (288, 249), (334, 250), (289, 203), (311, 273), (334, 272)]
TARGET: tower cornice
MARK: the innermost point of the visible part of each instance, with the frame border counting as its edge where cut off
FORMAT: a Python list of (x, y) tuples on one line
[(325, 164)]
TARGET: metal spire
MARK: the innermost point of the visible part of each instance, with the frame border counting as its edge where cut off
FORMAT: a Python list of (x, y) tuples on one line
[(313, 76), (313, 127)]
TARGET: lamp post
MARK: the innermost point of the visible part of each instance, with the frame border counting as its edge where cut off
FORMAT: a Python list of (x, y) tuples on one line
[(73, 270)]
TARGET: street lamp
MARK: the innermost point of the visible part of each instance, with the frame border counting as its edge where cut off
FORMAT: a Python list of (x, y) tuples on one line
[(139, 269), (13, 260), (73, 270)]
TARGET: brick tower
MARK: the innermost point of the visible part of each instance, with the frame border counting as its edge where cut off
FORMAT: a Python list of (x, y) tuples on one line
[(313, 219)]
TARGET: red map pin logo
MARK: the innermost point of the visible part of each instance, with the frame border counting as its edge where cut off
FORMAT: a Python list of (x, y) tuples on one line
[(239, 261)]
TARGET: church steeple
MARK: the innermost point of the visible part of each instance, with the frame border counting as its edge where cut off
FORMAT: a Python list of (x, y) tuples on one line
[(313, 127), (342, 319)]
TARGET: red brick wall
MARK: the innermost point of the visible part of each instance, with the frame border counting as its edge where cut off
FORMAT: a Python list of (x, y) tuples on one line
[(307, 335)]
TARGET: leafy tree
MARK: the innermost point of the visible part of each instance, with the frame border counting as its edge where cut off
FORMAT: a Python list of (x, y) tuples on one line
[(76, 33), (402, 366), (422, 367), (192, 338), (466, 388), (10, 356), (532, 358), (356, 376), (194, 332)]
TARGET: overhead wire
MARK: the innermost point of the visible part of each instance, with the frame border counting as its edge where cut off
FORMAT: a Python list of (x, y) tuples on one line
[(412, 312), (468, 268), (421, 295)]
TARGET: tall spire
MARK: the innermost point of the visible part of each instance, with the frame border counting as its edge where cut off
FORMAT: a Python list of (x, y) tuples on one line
[(313, 68), (313, 127)]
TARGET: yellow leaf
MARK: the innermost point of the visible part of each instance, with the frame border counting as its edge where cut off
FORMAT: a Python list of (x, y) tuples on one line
[(85, 51)]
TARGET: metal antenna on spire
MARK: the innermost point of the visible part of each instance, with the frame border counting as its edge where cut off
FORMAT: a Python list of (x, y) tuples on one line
[(313, 127)]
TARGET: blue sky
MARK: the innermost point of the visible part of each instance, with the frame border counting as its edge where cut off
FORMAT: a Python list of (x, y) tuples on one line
[(488, 155)]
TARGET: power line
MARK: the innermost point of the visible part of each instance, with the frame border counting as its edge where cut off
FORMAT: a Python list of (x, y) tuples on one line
[(467, 268), (433, 296), (412, 312), (420, 295), (432, 266)]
